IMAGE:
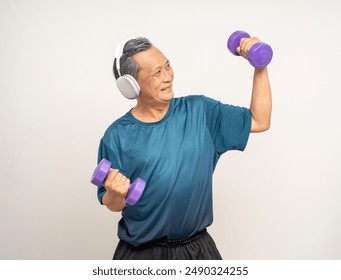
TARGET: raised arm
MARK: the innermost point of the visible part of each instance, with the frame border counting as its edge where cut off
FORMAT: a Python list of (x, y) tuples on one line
[(261, 100)]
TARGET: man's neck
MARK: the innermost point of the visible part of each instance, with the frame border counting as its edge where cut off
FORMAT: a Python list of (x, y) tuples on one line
[(150, 113)]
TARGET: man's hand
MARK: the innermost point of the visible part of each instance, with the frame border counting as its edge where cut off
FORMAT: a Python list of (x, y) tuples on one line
[(116, 185), (245, 45)]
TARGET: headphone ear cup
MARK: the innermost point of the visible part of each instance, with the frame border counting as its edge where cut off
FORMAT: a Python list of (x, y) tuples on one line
[(128, 86)]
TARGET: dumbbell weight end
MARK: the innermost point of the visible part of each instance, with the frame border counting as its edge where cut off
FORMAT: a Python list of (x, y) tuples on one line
[(135, 191), (101, 172), (260, 55), (234, 40)]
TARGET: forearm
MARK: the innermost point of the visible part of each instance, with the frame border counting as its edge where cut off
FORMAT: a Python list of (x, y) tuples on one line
[(113, 202), (261, 101)]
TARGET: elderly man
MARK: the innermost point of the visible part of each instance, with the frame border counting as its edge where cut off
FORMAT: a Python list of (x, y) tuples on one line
[(174, 144)]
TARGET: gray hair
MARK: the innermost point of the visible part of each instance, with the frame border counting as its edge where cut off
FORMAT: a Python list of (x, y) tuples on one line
[(127, 64)]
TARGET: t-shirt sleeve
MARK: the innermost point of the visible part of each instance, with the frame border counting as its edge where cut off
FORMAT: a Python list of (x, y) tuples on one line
[(229, 125)]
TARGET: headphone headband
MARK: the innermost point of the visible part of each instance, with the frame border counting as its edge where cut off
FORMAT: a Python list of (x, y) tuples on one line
[(118, 54)]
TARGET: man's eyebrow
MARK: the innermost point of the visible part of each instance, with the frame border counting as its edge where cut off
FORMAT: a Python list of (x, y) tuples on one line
[(159, 67)]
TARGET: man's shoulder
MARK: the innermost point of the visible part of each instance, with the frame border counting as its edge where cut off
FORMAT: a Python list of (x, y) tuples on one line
[(189, 100), (118, 125), (192, 97)]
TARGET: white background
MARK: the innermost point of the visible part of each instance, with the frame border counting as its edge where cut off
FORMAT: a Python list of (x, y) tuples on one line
[(277, 200)]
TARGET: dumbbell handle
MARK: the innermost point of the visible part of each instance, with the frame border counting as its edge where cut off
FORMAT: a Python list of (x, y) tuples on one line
[(135, 189), (260, 54)]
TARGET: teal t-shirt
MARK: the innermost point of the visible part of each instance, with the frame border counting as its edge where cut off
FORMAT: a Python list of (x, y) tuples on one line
[(176, 157)]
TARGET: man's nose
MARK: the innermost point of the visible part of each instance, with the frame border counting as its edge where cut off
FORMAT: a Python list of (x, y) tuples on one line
[(167, 76)]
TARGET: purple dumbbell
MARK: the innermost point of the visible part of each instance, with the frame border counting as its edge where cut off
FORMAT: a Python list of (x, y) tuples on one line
[(260, 53), (135, 189)]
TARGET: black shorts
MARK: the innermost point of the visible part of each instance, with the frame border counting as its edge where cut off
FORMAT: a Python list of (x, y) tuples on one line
[(197, 247)]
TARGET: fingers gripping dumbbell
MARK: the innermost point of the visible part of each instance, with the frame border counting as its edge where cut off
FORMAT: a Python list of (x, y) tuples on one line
[(260, 54), (135, 189)]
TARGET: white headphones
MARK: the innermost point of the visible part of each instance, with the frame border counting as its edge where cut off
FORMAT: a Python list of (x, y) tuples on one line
[(126, 84)]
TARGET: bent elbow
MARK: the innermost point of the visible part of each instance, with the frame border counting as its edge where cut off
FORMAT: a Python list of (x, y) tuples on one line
[(260, 127), (266, 127)]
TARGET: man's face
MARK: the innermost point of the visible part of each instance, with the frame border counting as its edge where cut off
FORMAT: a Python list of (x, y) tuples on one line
[(155, 76)]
